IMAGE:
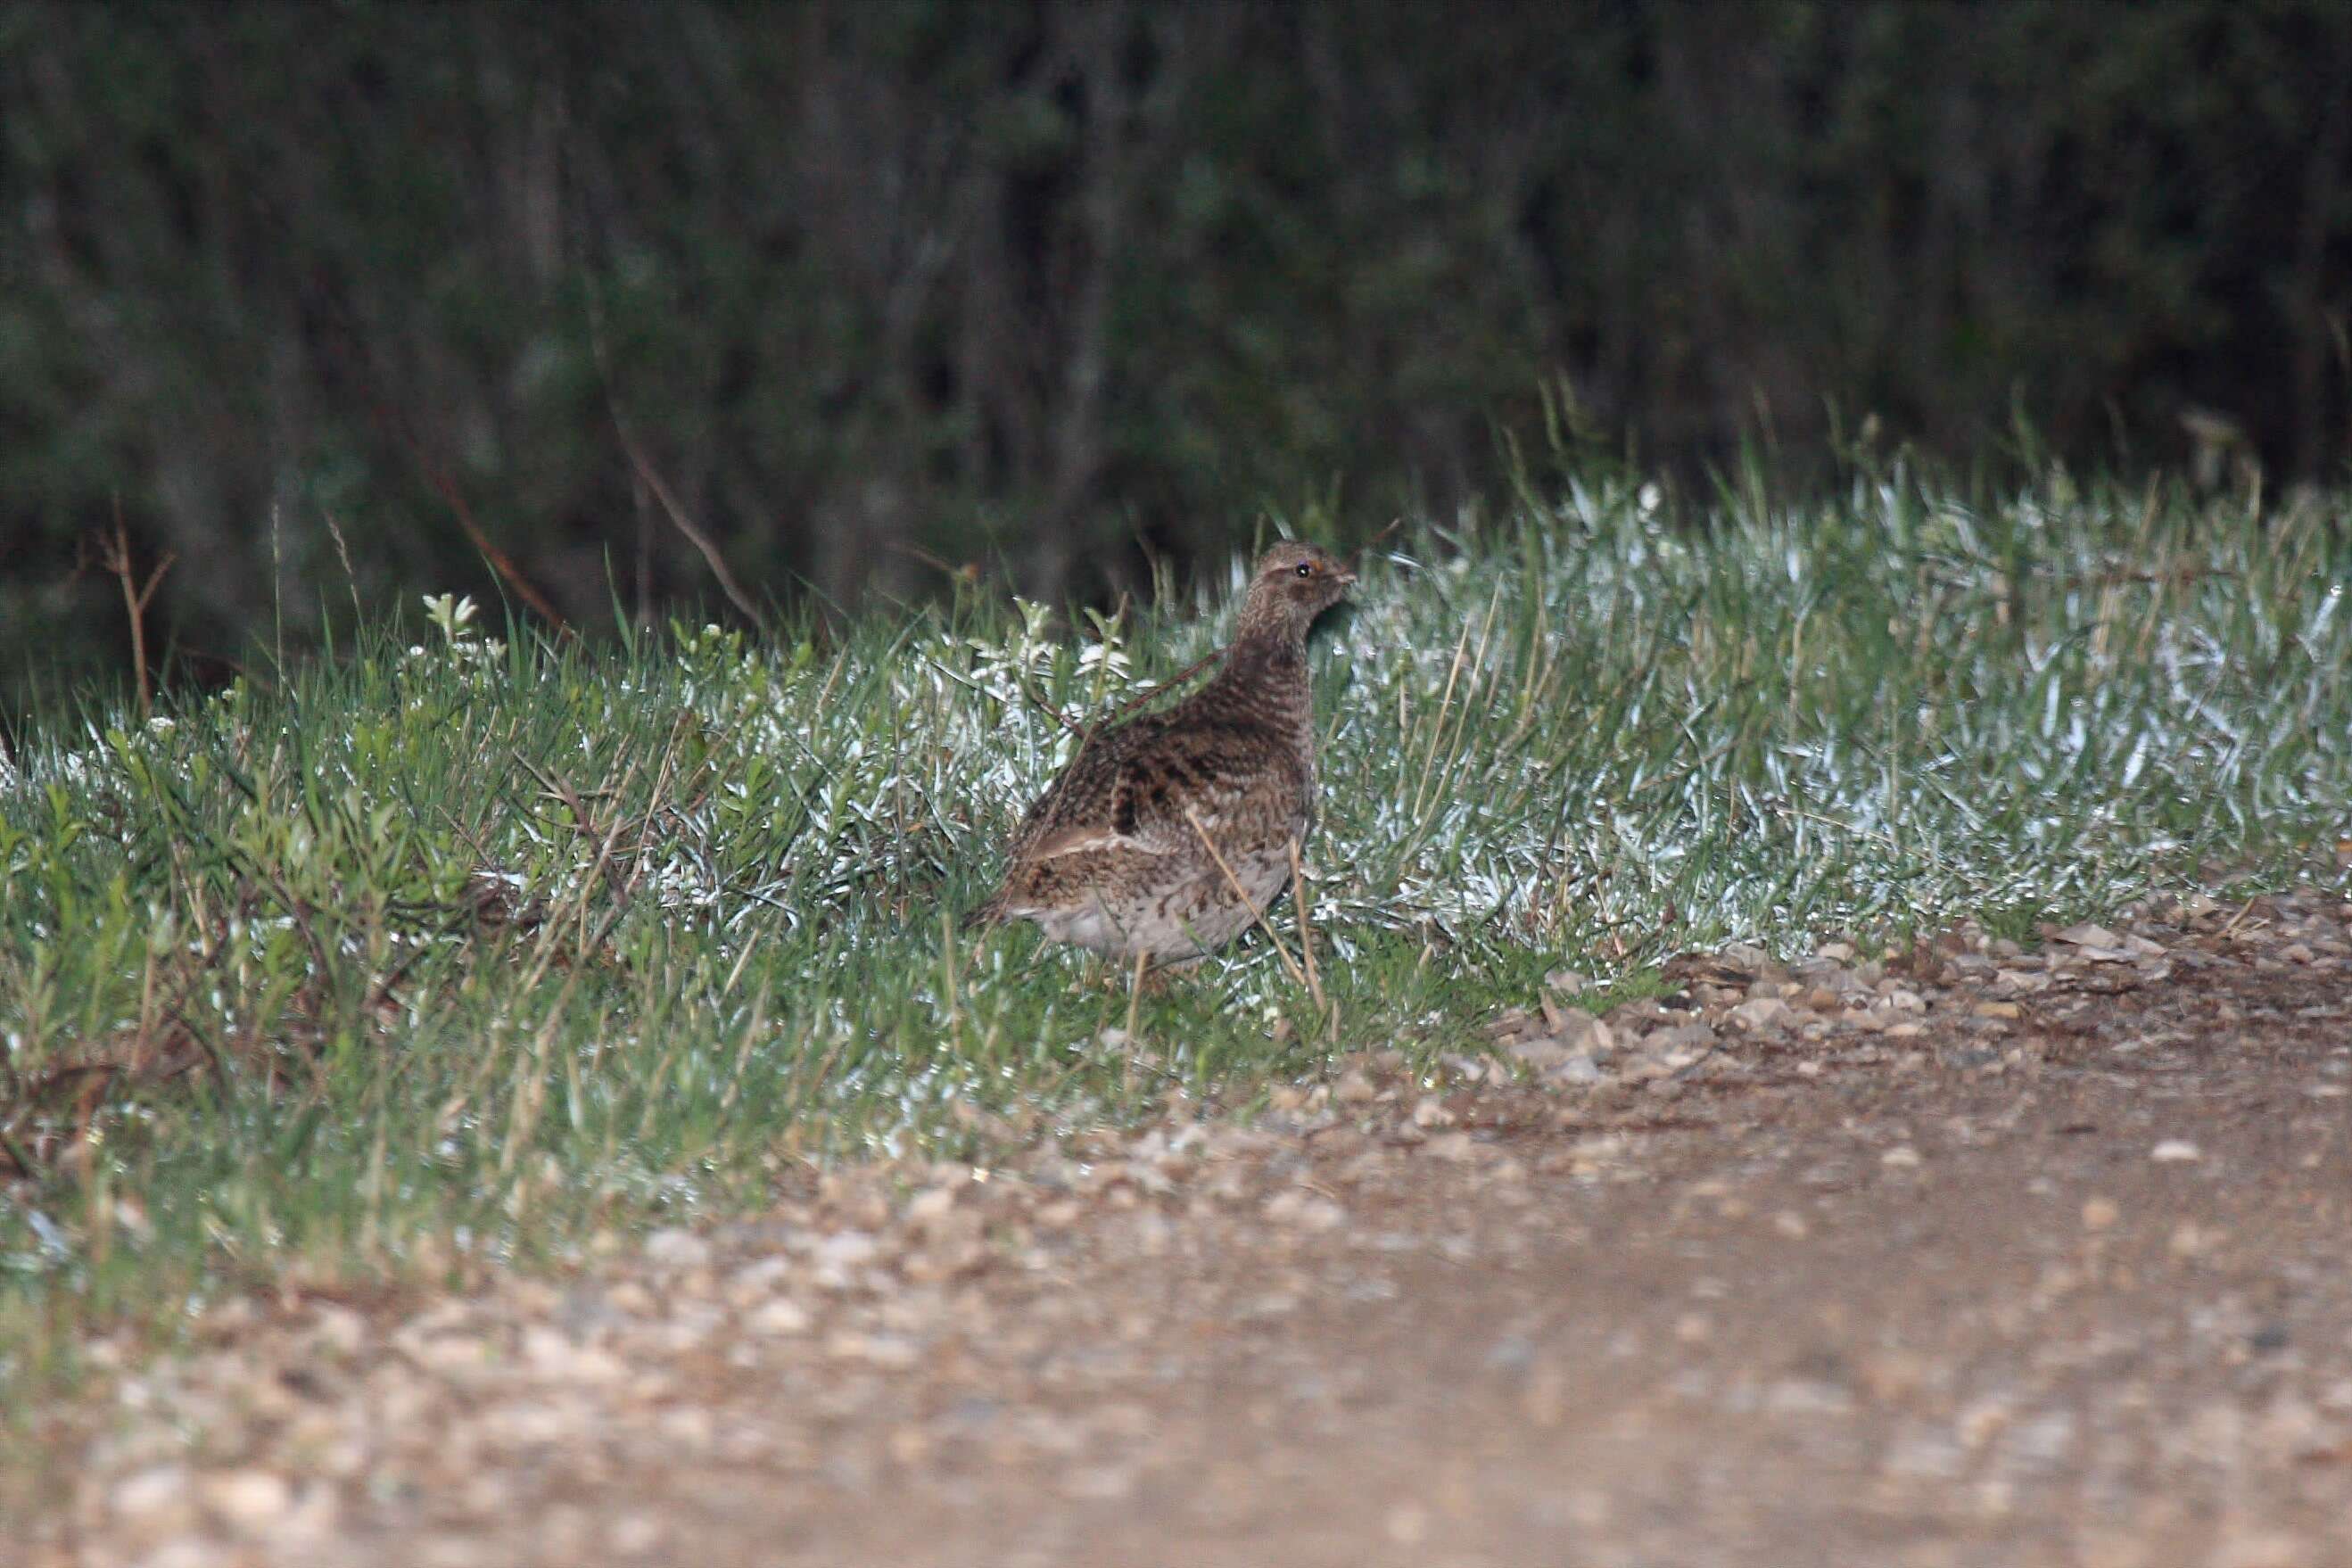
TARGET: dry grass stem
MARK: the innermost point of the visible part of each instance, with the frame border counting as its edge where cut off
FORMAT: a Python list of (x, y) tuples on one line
[(1306, 905), (1249, 904)]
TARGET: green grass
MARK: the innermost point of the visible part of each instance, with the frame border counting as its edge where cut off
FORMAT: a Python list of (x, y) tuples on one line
[(254, 1026)]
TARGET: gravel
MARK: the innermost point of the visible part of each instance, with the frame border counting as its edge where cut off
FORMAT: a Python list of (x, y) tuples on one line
[(1918, 1260)]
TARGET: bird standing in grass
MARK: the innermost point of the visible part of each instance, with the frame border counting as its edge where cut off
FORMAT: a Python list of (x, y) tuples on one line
[(1167, 834)]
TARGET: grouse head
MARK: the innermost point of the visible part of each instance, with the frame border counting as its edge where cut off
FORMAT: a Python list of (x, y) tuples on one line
[(1292, 585)]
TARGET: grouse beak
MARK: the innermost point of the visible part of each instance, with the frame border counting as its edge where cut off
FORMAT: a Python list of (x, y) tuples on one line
[(1345, 576)]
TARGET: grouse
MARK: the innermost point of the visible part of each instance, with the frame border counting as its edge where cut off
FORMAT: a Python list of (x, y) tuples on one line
[(1167, 834)]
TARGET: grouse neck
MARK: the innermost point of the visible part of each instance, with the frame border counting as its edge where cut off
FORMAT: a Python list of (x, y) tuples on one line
[(1264, 672)]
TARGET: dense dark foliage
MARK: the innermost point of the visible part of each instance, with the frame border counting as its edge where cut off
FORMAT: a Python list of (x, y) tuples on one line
[(1060, 283)]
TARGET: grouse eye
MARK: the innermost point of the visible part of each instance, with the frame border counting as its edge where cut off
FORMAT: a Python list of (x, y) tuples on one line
[(1307, 569)]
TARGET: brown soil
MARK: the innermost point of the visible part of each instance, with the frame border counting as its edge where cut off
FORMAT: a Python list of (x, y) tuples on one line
[(1998, 1259)]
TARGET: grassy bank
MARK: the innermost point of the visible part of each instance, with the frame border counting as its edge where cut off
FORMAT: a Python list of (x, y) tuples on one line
[(458, 949)]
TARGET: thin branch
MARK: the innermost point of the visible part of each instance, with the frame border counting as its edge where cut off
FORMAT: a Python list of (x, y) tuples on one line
[(1170, 684), (1021, 683), (652, 481), (114, 558), (348, 344), (1084, 732), (1087, 733), (500, 562), (676, 515), (967, 573)]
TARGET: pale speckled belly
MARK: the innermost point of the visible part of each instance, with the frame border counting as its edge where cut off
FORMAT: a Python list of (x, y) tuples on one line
[(1197, 916)]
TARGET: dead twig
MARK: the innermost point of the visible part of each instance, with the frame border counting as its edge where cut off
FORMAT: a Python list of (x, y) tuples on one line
[(1170, 684), (677, 513), (1087, 733), (967, 573), (500, 562), (1021, 682), (1083, 732), (114, 558), (348, 346), (702, 541)]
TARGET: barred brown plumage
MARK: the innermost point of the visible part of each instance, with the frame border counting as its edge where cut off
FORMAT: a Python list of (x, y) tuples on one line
[(1121, 853)]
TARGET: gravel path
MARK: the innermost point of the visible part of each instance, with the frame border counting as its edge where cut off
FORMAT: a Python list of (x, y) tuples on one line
[(1989, 1258)]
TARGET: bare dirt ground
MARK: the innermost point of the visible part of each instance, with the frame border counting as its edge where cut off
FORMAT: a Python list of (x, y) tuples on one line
[(1985, 1258)]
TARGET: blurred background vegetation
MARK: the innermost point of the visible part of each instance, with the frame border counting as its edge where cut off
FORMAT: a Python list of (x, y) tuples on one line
[(320, 299)]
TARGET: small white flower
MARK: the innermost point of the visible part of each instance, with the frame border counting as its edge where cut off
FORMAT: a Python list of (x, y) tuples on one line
[(451, 615)]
